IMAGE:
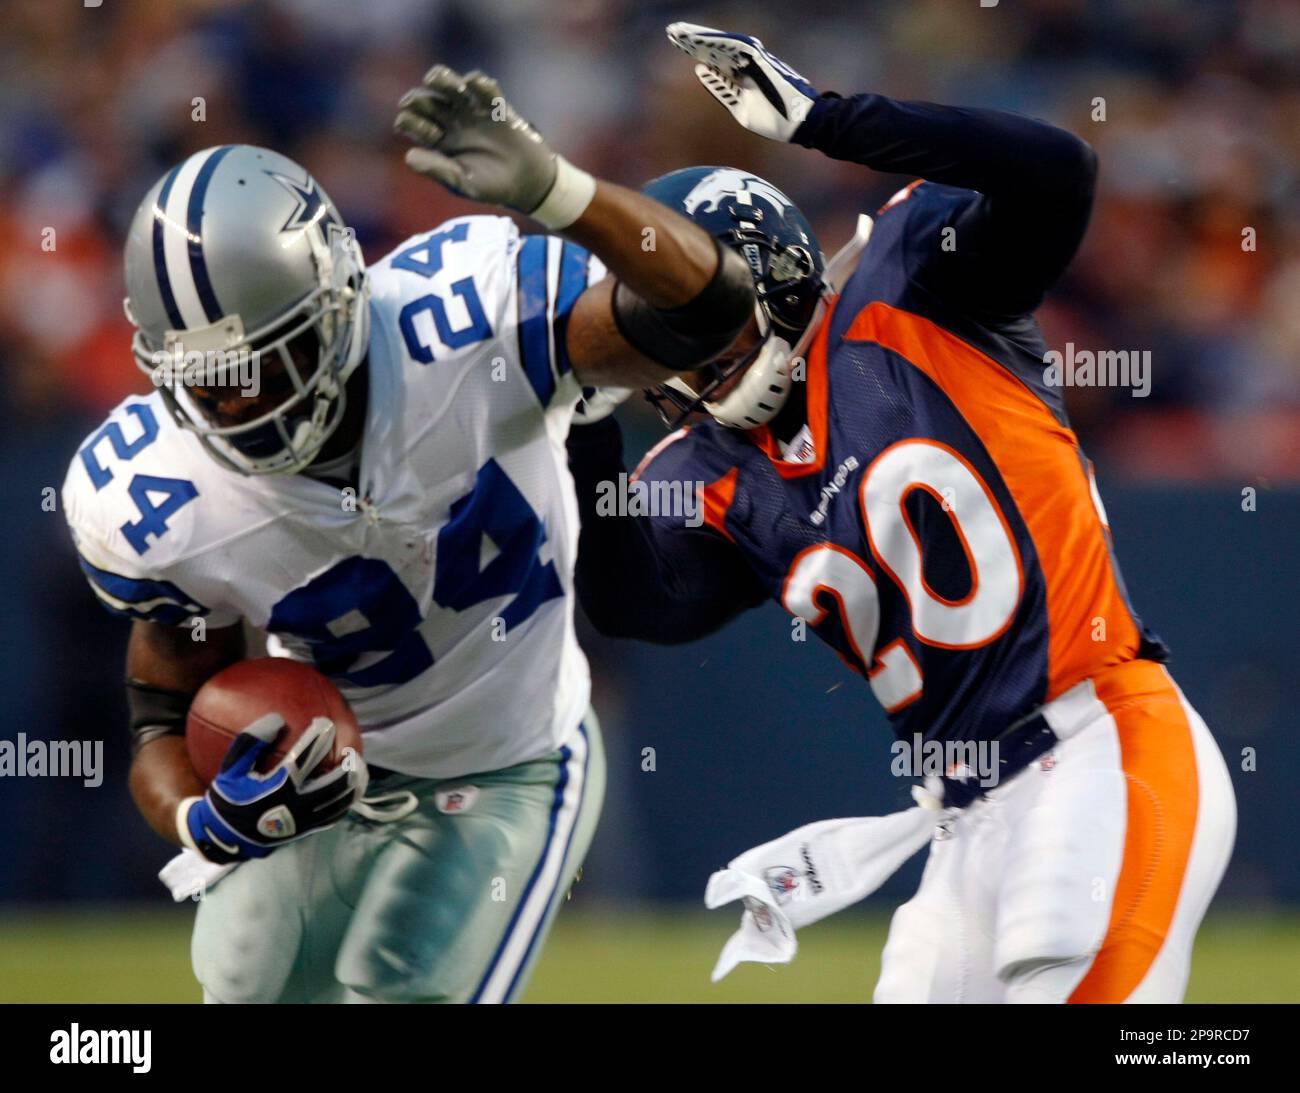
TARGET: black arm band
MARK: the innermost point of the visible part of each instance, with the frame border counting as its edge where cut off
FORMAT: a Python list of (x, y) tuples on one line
[(155, 712), (685, 337)]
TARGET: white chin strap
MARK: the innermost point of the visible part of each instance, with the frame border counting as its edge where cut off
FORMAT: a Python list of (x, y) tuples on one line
[(767, 383), (762, 390)]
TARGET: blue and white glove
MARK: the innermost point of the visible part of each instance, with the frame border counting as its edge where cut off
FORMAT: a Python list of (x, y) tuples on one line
[(247, 814), (763, 93)]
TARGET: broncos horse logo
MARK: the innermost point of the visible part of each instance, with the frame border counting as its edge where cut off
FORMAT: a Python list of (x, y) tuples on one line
[(709, 193)]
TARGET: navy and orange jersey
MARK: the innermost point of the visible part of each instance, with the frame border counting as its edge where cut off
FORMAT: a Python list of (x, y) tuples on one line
[(942, 532)]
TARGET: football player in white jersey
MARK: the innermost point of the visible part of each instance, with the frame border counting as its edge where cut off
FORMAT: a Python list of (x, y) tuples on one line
[(369, 466)]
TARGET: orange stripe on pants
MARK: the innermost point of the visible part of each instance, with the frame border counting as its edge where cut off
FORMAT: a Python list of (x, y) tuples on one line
[(1159, 762)]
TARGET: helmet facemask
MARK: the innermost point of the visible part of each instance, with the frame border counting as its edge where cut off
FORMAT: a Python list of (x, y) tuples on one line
[(789, 292), (317, 344)]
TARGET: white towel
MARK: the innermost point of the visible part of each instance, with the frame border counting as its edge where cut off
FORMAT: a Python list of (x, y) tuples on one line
[(813, 872), (190, 875)]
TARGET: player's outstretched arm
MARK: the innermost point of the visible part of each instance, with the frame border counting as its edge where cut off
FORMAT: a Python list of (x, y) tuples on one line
[(669, 307), (651, 578), (1034, 181)]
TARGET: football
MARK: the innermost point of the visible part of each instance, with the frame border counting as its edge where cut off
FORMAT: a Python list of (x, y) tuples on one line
[(237, 696)]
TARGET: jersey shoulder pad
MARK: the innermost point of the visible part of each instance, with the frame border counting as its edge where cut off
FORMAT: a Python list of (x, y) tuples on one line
[(703, 451), (475, 290), (441, 295), (550, 274), (689, 479), (922, 199), (426, 254), (133, 498), (906, 244)]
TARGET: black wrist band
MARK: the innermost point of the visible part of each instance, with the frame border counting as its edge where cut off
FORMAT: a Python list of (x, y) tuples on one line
[(685, 337), (155, 712)]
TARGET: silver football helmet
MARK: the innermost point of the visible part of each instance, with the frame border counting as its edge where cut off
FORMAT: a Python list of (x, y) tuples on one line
[(240, 274)]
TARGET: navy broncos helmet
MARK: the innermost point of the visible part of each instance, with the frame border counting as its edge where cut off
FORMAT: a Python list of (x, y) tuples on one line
[(750, 215)]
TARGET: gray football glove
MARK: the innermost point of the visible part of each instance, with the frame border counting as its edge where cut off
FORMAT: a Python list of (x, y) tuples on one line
[(470, 139)]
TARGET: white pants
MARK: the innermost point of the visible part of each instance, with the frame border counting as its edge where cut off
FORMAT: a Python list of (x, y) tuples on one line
[(1086, 876), (443, 905)]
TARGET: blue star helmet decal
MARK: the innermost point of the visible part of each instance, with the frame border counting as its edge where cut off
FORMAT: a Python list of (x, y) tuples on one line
[(311, 208)]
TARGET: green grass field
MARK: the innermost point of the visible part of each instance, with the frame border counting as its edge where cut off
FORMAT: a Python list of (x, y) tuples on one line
[(142, 955)]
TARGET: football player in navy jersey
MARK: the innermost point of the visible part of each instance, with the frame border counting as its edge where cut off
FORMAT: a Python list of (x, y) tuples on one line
[(887, 460)]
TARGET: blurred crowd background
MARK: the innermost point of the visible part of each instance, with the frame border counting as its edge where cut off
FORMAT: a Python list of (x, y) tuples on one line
[(1200, 141)]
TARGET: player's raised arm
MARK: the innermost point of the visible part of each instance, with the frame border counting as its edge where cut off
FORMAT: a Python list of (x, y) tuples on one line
[(667, 309), (1034, 182)]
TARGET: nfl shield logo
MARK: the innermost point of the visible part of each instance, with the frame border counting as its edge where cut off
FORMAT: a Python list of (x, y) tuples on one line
[(456, 799), (276, 823), (783, 880)]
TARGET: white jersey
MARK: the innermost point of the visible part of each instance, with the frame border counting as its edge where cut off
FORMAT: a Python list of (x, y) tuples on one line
[(438, 594)]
